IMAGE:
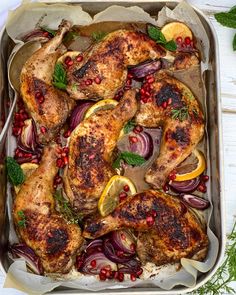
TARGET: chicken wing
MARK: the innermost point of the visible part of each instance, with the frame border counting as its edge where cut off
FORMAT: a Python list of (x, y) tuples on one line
[(103, 68), (48, 106), (39, 225), (90, 154), (175, 108), (171, 230)]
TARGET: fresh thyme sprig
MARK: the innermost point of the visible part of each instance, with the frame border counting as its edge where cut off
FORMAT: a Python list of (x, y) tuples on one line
[(22, 221), (226, 274), (180, 114)]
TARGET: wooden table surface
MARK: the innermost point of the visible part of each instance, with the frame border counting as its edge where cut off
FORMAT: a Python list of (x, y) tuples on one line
[(228, 96)]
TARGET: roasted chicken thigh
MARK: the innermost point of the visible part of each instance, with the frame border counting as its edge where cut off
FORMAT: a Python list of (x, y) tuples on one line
[(90, 154), (174, 107), (43, 228), (48, 106), (168, 230)]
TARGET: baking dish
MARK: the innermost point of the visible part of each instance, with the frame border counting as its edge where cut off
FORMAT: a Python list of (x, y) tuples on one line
[(214, 132)]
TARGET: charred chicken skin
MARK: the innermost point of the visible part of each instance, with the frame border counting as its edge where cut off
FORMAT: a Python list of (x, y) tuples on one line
[(44, 229), (103, 69), (168, 230), (90, 154), (48, 106), (175, 108)]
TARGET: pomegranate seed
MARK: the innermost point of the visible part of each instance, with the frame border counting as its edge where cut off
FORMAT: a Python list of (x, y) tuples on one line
[(17, 151), (130, 76), (179, 40), (120, 253), (60, 163), (91, 157), (43, 129), (133, 139), (165, 187), (154, 213), (121, 277), (116, 275), (66, 150), (169, 101), (123, 237), (205, 178), (97, 80), (109, 274), (68, 60), (142, 91), (147, 93), (145, 100), (128, 82), (65, 160), (58, 179), (67, 133), (35, 161), (122, 196), (126, 188), (202, 188), (150, 220), (183, 45), (138, 129), (133, 277), (46, 34), (16, 131), (37, 95), (150, 80), (103, 271), (102, 277), (41, 99), (93, 263), (127, 87), (164, 105), (20, 155), (121, 93), (132, 247), (139, 272), (88, 82), (79, 58), (187, 41), (172, 175)]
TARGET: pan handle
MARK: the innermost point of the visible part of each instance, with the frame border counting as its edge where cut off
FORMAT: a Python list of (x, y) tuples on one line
[(9, 117)]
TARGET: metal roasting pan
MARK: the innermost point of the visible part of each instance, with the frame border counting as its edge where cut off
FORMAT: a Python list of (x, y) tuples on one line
[(214, 129)]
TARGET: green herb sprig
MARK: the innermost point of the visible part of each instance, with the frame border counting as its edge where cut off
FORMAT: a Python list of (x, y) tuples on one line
[(157, 35), (14, 171), (129, 126), (50, 31), (129, 158), (59, 76), (22, 221), (226, 274), (69, 36), (98, 36), (228, 19), (180, 114)]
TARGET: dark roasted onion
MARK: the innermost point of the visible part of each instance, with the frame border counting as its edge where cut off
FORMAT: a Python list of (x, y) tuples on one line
[(132, 266), (95, 262), (123, 241), (25, 252), (94, 246), (143, 146), (195, 202), (78, 113), (186, 186), (27, 140), (113, 254), (36, 35), (146, 68)]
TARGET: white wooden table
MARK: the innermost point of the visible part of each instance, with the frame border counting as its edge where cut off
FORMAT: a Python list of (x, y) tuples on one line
[(228, 94)]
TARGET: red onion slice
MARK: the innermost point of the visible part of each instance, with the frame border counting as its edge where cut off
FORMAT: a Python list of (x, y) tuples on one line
[(132, 266), (25, 252), (123, 241), (36, 35), (143, 146), (28, 140), (186, 186), (94, 246), (112, 253), (78, 113), (146, 68), (195, 202)]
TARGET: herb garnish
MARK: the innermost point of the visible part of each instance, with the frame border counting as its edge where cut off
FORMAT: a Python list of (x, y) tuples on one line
[(129, 126), (65, 208), (158, 36), (228, 19), (22, 221), (219, 283), (129, 158), (50, 31), (70, 36), (59, 76), (180, 114), (14, 171), (98, 36)]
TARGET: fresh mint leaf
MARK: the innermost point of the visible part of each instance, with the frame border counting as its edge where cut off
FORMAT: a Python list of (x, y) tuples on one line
[(98, 36), (59, 76), (116, 163), (132, 159), (59, 85), (233, 9), (227, 19), (171, 45), (14, 171), (234, 43), (70, 36), (129, 127), (50, 31)]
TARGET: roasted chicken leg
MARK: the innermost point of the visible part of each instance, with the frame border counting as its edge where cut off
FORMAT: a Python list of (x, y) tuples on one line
[(103, 69), (168, 230), (174, 107), (90, 154), (39, 225), (48, 106)]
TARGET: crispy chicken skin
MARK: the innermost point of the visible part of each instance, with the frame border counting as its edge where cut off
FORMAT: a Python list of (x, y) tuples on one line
[(45, 230), (90, 154), (108, 60), (175, 233), (182, 121), (36, 85)]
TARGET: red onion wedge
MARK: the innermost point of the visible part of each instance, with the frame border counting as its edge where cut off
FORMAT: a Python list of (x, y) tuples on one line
[(95, 262), (113, 254), (27, 139), (25, 252), (146, 68), (123, 241), (37, 35), (195, 202), (94, 246), (132, 266), (143, 145), (78, 113), (186, 186)]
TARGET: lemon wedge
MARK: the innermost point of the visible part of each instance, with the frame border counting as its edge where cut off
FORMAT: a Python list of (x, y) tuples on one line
[(196, 169), (104, 104), (109, 199), (28, 169), (174, 30)]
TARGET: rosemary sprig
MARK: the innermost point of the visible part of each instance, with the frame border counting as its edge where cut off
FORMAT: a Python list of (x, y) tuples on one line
[(180, 114), (226, 274)]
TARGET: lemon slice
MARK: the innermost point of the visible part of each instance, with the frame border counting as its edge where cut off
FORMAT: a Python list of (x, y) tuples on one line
[(187, 171), (105, 104), (174, 30), (109, 199), (28, 169)]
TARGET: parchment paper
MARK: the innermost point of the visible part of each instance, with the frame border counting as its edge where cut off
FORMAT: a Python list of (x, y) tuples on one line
[(26, 18)]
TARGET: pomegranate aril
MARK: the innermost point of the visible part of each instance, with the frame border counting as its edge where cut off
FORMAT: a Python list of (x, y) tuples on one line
[(67, 133), (128, 82), (132, 247), (205, 178), (172, 175), (102, 277), (154, 213), (65, 160), (97, 80), (58, 179), (93, 263), (187, 41), (43, 129), (133, 139), (121, 277), (129, 76), (202, 188), (116, 274), (79, 58), (120, 253), (133, 277), (179, 39), (164, 105), (126, 188), (150, 220), (60, 163), (150, 80), (139, 272), (165, 187), (122, 196), (169, 101)]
